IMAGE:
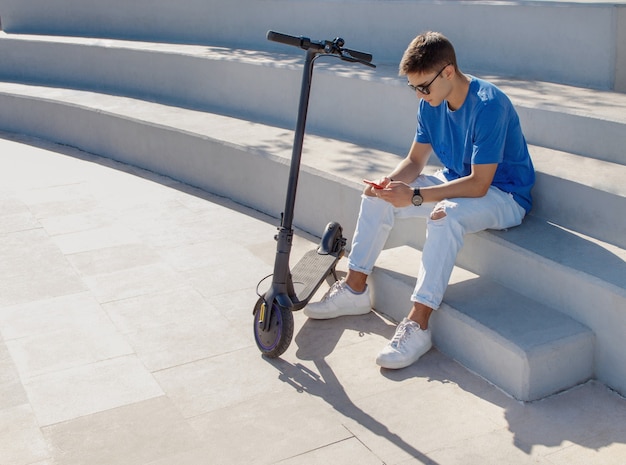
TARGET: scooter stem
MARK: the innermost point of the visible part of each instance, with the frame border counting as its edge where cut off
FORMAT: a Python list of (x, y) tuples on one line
[(305, 90)]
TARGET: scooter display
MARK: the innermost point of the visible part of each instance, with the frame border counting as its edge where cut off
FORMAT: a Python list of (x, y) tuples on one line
[(273, 319)]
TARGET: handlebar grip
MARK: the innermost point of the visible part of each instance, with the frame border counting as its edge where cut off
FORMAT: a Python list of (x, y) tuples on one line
[(284, 38), (358, 55)]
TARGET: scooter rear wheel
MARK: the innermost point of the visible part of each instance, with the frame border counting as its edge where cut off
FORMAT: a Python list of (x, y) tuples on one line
[(274, 341)]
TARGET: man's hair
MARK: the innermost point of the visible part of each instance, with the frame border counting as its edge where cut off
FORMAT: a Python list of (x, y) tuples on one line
[(427, 52)]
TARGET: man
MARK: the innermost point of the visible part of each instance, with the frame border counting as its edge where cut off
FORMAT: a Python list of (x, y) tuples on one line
[(475, 132)]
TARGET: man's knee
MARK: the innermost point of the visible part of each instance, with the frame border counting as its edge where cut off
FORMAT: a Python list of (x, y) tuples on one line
[(439, 212)]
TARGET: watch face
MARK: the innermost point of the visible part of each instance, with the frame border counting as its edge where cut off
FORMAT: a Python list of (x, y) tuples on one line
[(417, 199)]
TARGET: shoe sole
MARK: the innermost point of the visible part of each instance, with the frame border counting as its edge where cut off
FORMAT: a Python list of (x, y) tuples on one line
[(402, 363), (337, 313)]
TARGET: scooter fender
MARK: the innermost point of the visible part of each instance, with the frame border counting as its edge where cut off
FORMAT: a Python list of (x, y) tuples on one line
[(331, 242), (265, 304), (280, 299)]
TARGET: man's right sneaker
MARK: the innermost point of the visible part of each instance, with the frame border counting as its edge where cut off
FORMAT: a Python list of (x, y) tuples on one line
[(340, 300)]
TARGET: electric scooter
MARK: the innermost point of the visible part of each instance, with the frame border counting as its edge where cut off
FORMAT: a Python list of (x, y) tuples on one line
[(273, 319)]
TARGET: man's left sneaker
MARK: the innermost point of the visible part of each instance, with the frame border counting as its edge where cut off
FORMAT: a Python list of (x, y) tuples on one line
[(406, 347)]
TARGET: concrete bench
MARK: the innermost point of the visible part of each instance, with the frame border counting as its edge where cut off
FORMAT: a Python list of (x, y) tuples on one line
[(524, 347)]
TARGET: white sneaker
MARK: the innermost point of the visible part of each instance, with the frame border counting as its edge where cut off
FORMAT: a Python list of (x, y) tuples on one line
[(408, 344), (339, 301)]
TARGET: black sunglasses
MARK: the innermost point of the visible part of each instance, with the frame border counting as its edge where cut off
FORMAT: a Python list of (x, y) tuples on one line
[(425, 88)]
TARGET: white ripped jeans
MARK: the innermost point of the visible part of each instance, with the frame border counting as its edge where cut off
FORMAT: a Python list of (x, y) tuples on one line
[(444, 236)]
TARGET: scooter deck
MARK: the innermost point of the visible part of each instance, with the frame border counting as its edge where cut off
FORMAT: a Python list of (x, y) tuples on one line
[(310, 271)]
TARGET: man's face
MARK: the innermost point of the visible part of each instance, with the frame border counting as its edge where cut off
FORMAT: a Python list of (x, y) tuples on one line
[(429, 86)]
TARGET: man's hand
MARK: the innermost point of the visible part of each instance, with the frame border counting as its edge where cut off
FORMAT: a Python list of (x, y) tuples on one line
[(372, 192), (396, 193)]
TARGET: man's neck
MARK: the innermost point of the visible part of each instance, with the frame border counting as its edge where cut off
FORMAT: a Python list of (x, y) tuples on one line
[(459, 91)]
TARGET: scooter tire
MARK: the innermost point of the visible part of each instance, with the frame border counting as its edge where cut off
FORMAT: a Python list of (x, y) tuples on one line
[(274, 341)]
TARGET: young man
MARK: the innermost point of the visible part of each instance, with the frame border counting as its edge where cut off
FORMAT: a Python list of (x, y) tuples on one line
[(486, 181)]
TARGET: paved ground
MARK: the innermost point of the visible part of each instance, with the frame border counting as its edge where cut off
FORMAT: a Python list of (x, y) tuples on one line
[(126, 338)]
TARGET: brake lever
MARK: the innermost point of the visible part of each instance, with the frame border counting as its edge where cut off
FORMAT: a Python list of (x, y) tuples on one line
[(336, 47), (356, 60)]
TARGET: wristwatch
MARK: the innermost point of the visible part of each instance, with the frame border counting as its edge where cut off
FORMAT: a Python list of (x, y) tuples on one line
[(417, 198)]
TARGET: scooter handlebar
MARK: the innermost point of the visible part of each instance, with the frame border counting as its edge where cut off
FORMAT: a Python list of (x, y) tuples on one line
[(301, 42), (334, 47)]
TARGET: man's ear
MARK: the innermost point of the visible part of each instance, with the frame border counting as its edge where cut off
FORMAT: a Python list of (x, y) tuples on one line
[(449, 72)]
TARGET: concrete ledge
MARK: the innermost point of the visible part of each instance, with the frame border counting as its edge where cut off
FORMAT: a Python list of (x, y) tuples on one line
[(350, 102), (581, 194), (569, 189), (520, 345), (509, 38)]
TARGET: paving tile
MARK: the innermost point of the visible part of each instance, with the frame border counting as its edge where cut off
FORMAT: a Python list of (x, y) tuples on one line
[(232, 276), (94, 239), (206, 254), (41, 273), (348, 451), (495, 448), (17, 222), (317, 339), (399, 424), (613, 452), (138, 196), (93, 218), (53, 314), (30, 164), (202, 201), (65, 332), (59, 199), (588, 414), (352, 373), (12, 392), (112, 259), (11, 205), (88, 389), (275, 425), (55, 191), (172, 226), (15, 215), (218, 382), (133, 435), (202, 455), (237, 306), (21, 441), (174, 327), (133, 282)]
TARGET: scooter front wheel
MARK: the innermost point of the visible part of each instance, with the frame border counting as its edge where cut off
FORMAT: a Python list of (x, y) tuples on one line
[(274, 341)]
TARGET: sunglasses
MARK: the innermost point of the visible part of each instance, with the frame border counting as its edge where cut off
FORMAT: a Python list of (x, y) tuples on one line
[(425, 88)]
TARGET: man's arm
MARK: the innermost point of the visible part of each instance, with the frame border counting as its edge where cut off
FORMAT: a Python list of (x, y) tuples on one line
[(476, 184), (408, 169)]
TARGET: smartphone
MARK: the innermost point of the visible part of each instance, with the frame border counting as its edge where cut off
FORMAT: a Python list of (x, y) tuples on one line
[(373, 184)]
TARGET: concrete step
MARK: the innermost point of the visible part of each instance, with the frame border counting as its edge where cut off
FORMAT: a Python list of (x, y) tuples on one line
[(371, 107), (528, 39), (524, 347), (581, 193), (576, 192), (248, 162)]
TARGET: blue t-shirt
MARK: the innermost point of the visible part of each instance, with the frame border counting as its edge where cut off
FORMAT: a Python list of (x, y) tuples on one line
[(485, 130)]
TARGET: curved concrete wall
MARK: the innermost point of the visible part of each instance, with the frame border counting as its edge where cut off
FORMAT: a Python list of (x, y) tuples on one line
[(574, 43)]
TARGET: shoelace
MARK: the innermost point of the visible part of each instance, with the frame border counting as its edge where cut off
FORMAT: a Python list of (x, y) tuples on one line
[(399, 338), (334, 289)]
